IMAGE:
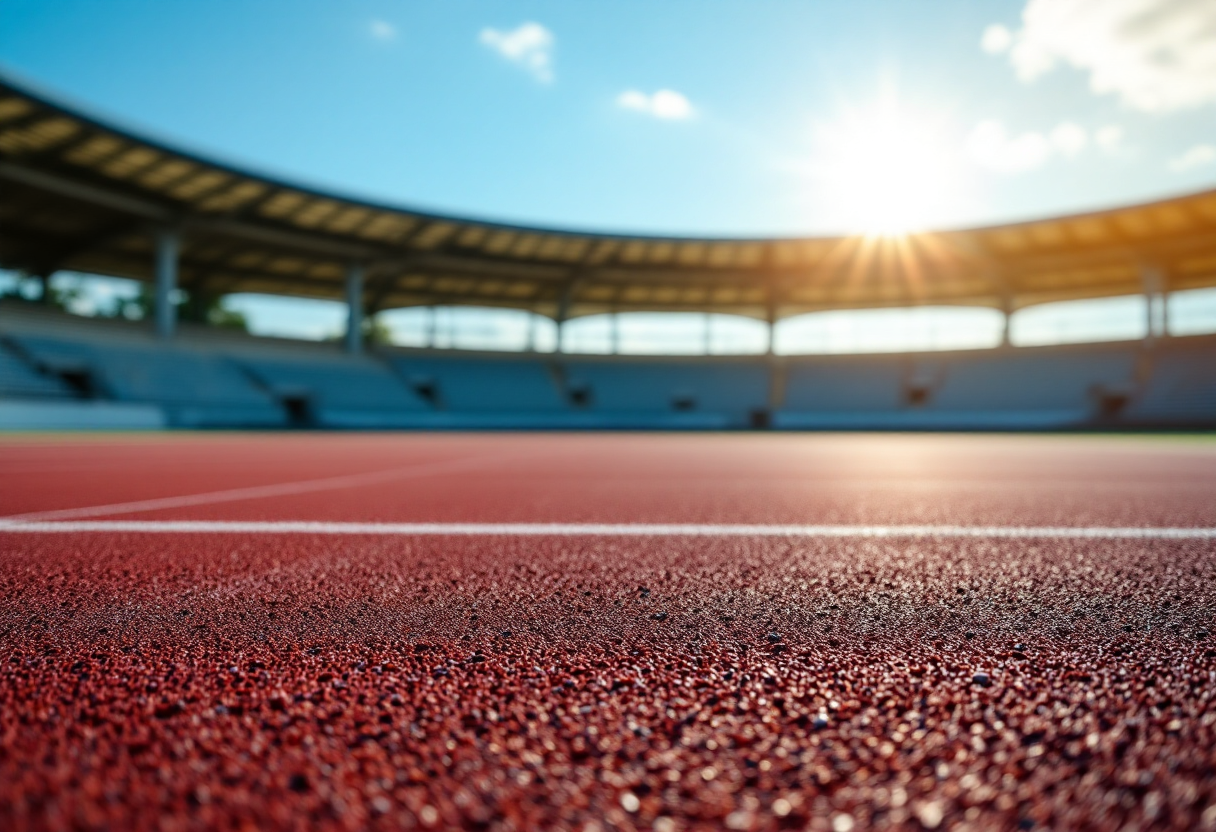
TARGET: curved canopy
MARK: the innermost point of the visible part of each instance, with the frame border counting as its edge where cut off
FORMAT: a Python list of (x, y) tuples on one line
[(76, 193)]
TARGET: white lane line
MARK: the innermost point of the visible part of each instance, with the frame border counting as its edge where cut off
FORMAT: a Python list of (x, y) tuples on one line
[(260, 491), (599, 529)]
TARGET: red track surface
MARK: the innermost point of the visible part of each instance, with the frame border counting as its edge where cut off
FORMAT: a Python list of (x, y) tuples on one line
[(288, 681)]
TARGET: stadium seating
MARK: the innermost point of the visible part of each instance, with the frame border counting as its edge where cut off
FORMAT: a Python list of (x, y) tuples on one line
[(1028, 388), (707, 393), (841, 392), (329, 389), (206, 377), (1033, 388), (1181, 386), (476, 384), (487, 391), (121, 362), (20, 378)]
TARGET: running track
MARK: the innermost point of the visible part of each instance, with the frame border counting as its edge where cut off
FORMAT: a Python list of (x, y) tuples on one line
[(396, 631)]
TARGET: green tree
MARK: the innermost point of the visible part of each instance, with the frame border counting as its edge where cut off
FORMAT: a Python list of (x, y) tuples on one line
[(208, 308), (376, 331)]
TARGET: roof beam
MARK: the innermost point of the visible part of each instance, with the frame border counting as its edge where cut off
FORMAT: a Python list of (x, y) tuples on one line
[(83, 192), (313, 243), (62, 256)]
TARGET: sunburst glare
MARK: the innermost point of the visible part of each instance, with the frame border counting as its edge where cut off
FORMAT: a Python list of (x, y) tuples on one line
[(887, 170)]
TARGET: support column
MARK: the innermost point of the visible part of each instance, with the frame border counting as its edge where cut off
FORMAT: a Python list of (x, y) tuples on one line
[(770, 316), (531, 343), (563, 306), (1152, 281), (354, 308), (563, 309), (1006, 322), (168, 244)]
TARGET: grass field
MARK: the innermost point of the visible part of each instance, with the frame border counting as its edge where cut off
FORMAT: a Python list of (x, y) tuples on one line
[(607, 631)]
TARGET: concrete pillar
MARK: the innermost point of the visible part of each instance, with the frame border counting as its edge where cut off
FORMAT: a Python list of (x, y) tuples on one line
[(168, 244), (564, 300), (531, 344), (563, 309), (1003, 291), (1006, 322), (1150, 317), (771, 319), (354, 308), (1153, 281)]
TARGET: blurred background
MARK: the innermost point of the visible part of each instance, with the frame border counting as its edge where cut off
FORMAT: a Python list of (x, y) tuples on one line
[(869, 125)]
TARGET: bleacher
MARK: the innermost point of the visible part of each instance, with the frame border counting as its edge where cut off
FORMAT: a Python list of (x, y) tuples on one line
[(487, 391), (1055, 387), (1180, 387), (122, 362), (696, 392), (327, 388), (20, 378), (214, 378), (999, 389), (841, 392)]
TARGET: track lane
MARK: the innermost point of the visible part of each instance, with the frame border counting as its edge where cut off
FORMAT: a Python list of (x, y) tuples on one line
[(506, 681), (848, 480)]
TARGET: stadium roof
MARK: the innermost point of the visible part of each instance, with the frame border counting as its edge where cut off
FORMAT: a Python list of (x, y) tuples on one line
[(81, 194)]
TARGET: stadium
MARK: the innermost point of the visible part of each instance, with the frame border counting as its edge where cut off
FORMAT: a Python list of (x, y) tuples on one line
[(83, 196), (262, 582)]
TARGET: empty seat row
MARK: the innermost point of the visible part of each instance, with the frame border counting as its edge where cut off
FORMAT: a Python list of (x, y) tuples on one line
[(20, 378), (480, 385), (206, 378), (195, 389), (1180, 388)]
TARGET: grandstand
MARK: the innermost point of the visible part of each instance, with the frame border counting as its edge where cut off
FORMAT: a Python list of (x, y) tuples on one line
[(81, 194), (206, 378)]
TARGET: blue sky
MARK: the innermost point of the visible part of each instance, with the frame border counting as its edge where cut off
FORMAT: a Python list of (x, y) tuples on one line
[(770, 117), (693, 117)]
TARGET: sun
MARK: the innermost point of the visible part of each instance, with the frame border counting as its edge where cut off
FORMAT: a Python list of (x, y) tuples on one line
[(887, 170)]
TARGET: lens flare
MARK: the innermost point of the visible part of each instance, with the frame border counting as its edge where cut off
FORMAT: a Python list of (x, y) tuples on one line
[(887, 170)]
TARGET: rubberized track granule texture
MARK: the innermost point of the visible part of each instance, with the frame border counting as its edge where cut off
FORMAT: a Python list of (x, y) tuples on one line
[(178, 682)]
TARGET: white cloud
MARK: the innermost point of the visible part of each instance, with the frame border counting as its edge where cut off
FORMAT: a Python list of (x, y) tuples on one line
[(1197, 156), (383, 30), (530, 45), (664, 104), (994, 146), (1068, 138), (1155, 55), (1109, 139), (996, 39)]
